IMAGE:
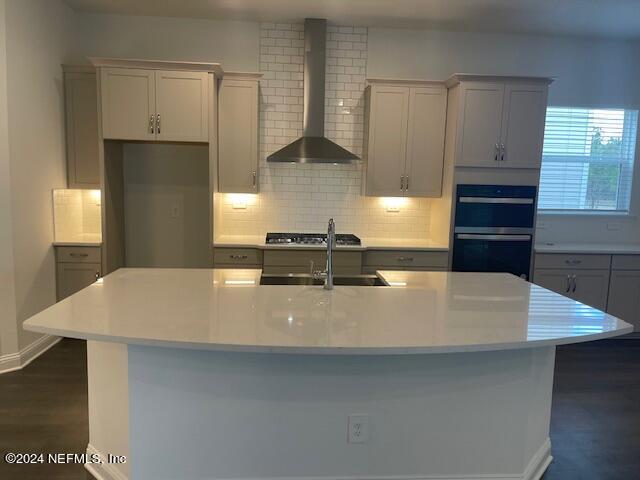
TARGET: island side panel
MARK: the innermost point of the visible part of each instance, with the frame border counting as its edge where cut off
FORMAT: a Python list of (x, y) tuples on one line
[(203, 414), (108, 378)]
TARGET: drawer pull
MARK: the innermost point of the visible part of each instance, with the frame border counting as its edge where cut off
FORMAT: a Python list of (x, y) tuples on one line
[(405, 259), (573, 262), (97, 275), (79, 255), (238, 257), (568, 283)]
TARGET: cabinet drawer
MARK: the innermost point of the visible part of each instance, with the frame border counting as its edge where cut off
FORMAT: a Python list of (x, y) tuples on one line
[(236, 256), (575, 262), (78, 254), (302, 258), (406, 259), (625, 262)]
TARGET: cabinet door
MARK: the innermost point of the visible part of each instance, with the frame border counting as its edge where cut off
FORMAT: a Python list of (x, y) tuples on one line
[(425, 141), (128, 103), (73, 277), (388, 117), (589, 286), (238, 136), (592, 288), (480, 125), (523, 118), (624, 296), (81, 102), (181, 106), (558, 281)]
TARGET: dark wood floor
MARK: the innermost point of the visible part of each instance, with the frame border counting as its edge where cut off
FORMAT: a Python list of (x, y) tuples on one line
[(595, 423), (43, 408)]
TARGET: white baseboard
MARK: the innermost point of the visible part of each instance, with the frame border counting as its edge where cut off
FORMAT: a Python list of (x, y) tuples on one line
[(103, 471), (539, 463), (18, 360), (534, 471)]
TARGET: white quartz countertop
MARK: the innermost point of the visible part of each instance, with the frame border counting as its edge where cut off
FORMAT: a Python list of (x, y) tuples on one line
[(586, 248), (84, 240), (420, 312), (368, 243)]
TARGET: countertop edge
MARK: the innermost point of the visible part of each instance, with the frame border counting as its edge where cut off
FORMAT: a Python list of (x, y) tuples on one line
[(359, 248), (588, 249), (353, 351), (77, 244)]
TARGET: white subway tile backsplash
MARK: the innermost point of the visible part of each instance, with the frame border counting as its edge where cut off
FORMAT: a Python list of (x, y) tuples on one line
[(77, 215), (302, 197)]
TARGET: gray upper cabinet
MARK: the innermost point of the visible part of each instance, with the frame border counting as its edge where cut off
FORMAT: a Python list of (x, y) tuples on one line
[(163, 105), (522, 133), (81, 116), (181, 106), (481, 118), (500, 121), (128, 103), (404, 138), (238, 111)]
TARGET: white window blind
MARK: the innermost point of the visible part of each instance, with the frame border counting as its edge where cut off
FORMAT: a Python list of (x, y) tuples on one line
[(587, 159)]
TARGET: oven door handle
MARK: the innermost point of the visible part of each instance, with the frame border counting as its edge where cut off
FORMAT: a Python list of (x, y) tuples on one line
[(513, 201), (494, 238)]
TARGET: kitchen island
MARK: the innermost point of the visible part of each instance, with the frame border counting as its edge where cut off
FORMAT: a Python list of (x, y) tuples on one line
[(208, 374)]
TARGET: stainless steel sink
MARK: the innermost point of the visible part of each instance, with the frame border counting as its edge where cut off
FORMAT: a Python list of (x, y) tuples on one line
[(306, 279)]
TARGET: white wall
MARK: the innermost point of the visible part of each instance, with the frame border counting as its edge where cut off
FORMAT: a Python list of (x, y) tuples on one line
[(38, 38), (587, 72), (234, 44), (604, 73), (8, 325)]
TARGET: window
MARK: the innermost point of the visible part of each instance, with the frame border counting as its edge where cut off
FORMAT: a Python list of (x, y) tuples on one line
[(587, 159)]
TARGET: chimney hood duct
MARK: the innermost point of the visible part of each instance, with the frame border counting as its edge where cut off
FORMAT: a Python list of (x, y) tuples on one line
[(313, 146)]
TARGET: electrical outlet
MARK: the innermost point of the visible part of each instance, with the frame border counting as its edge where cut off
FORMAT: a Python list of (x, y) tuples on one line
[(613, 226), (358, 427), (174, 211)]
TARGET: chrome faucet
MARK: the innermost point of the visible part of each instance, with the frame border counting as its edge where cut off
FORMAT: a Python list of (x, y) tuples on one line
[(331, 240)]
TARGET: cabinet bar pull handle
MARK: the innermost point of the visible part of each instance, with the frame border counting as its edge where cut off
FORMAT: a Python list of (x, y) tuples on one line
[(575, 284), (401, 183), (406, 183), (151, 123), (158, 123), (81, 255), (495, 159), (573, 262), (568, 283), (238, 257), (97, 275), (502, 152), (254, 178), (405, 259)]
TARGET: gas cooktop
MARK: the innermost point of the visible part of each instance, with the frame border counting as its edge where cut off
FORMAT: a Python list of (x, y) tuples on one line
[(310, 239)]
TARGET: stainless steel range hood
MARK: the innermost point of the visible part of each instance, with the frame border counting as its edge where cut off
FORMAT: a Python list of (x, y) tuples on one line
[(313, 147)]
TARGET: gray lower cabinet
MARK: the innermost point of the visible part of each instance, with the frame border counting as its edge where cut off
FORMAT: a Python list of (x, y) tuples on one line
[(224, 257), (404, 260), (582, 277), (624, 289), (76, 268), (590, 287), (301, 261)]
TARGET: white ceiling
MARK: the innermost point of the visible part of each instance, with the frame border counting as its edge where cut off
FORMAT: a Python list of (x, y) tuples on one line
[(599, 18)]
